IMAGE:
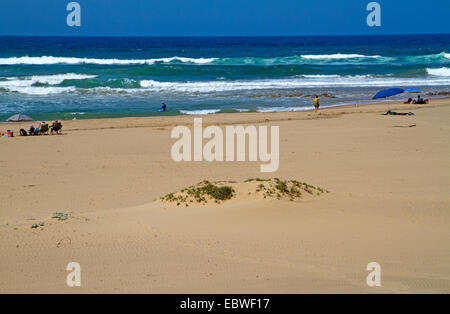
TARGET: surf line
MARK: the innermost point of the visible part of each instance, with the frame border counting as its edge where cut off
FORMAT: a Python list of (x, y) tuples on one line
[(236, 136)]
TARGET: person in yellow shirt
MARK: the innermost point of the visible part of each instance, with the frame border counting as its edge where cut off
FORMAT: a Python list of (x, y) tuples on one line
[(316, 102)]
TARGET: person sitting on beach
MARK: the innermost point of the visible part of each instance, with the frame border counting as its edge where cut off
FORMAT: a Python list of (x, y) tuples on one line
[(32, 130), (316, 102), (410, 100), (43, 128), (56, 127), (420, 101), (23, 132)]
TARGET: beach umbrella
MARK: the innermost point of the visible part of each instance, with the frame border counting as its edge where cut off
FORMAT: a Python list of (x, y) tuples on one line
[(388, 93), (19, 118), (412, 90)]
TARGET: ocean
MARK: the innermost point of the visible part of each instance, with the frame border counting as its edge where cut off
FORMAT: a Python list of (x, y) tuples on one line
[(102, 77)]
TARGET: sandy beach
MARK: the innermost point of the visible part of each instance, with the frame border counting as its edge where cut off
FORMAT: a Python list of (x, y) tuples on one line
[(389, 203)]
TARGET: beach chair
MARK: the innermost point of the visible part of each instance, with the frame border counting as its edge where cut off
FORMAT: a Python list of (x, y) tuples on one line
[(44, 128), (56, 127)]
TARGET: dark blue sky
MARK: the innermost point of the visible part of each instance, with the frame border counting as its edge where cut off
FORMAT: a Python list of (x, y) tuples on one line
[(222, 17)]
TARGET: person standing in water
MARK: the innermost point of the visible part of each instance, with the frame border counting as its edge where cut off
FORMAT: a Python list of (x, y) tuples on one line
[(316, 102), (163, 107)]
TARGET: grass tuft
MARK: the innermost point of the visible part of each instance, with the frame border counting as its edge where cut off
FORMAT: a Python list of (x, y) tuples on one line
[(201, 193)]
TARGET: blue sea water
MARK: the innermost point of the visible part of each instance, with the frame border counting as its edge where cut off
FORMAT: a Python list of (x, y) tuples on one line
[(87, 77)]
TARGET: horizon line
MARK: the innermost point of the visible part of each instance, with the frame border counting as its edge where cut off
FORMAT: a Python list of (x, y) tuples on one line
[(205, 36)]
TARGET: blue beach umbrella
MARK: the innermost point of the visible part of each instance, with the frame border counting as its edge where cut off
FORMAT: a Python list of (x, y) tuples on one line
[(388, 93), (412, 90)]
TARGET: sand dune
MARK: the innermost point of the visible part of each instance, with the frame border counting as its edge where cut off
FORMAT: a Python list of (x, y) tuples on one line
[(388, 203)]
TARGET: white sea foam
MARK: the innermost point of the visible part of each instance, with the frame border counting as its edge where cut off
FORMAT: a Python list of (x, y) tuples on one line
[(116, 90), (349, 81), (39, 91), (282, 109), (44, 60), (200, 112), (320, 76), (48, 60), (338, 56), (439, 72), (58, 78), (24, 85)]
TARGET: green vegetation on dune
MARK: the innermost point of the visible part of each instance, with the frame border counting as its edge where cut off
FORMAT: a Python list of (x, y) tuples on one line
[(291, 189), (201, 193), (219, 192)]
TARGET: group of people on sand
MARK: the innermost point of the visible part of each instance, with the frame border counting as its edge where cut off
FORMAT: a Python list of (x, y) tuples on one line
[(418, 101), (43, 128)]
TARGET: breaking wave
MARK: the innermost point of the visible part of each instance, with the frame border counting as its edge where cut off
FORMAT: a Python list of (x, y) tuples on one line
[(47, 60), (338, 56), (31, 85), (282, 60), (439, 72), (317, 81)]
